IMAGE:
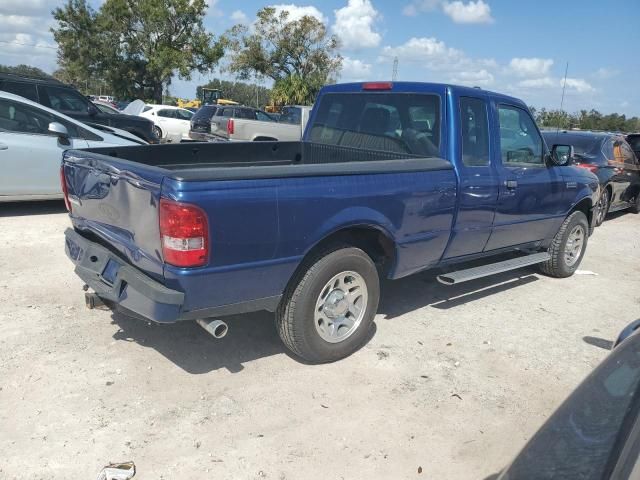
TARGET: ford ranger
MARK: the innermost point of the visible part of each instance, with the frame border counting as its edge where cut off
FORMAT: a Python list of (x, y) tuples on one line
[(389, 179)]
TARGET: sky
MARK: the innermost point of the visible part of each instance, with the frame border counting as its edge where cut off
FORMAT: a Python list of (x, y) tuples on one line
[(511, 46)]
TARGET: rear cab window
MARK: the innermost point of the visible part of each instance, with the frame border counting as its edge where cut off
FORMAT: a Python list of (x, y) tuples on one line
[(404, 123)]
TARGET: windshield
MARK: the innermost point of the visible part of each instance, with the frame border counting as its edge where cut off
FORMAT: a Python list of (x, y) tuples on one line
[(400, 123), (583, 144), (581, 436)]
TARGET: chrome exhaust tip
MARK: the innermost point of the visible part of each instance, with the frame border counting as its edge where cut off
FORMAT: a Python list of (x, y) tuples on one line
[(217, 328)]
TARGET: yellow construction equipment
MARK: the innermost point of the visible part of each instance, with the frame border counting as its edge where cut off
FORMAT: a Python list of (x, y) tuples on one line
[(208, 96), (213, 96)]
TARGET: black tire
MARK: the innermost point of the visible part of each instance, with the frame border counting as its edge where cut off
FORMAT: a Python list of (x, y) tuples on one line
[(557, 266), (603, 207), (295, 317), (158, 132), (635, 206)]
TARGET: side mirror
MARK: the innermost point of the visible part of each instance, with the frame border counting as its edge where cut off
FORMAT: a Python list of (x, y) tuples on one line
[(562, 155), (92, 110), (60, 131)]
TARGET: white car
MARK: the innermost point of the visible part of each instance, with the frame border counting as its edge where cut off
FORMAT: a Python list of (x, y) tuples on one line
[(171, 123), (32, 139)]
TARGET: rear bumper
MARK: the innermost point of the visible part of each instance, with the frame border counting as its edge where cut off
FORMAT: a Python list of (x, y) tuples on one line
[(123, 287), (120, 284)]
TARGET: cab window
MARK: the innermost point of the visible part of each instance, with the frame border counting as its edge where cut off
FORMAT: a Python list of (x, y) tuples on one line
[(18, 117), (474, 132), (166, 113), (65, 99), (26, 90), (520, 142)]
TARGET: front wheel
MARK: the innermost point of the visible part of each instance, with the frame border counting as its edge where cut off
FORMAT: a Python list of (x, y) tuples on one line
[(157, 131), (327, 312), (568, 247)]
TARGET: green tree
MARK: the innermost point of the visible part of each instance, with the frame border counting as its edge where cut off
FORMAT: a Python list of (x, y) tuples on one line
[(135, 46), (26, 70), (295, 54)]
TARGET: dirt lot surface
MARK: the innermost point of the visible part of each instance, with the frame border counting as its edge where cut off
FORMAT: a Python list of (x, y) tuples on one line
[(454, 380)]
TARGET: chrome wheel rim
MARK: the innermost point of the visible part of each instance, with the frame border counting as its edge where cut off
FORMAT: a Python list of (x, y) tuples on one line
[(574, 245), (603, 205), (341, 306)]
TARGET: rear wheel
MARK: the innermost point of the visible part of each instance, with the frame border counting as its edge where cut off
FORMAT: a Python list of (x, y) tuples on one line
[(568, 247), (602, 207), (327, 312), (157, 131)]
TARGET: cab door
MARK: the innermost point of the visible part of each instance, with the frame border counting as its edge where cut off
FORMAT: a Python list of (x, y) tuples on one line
[(479, 179), (530, 203)]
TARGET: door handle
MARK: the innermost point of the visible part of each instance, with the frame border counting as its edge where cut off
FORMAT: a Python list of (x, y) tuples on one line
[(4, 147), (511, 184)]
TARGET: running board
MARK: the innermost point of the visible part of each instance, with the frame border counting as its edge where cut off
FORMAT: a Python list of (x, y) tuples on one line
[(493, 268)]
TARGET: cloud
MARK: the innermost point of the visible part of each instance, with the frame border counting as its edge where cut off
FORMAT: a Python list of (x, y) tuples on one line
[(578, 84), (530, 67), (296, 12), (355, 70), (354, 25), (472, 12), (239, 16), (544, 82), (24, 33), (443, 63), (213, 9), (606, 73), (418, 6), (473, 78), (424, 49)]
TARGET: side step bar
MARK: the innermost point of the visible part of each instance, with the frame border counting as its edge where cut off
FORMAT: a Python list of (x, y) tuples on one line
[(493, 268)]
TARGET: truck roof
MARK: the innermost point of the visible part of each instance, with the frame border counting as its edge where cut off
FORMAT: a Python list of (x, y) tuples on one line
[(422, 87)]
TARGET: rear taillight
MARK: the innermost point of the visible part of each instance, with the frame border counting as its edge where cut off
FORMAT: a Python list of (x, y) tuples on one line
[(184, 233), (230, 126), (589, 166), (65, 190)]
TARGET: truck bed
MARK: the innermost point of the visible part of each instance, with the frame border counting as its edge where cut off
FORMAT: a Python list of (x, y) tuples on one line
[(253, 160)]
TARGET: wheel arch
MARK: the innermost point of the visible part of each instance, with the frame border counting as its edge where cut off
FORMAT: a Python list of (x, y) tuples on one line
[(585, 206)]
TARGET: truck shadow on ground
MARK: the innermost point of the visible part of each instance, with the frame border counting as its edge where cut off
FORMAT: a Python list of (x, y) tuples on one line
[(21, 209), (253, 336)]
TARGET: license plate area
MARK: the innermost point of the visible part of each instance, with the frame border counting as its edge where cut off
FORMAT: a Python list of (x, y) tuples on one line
[(110, 272)]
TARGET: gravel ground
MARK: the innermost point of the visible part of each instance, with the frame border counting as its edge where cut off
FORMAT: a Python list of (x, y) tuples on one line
[(454, 380)]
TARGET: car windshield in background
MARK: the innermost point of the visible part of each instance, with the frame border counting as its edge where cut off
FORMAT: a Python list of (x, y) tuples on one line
[(407, 123), (205, 113), (581, 437), (583, 144), (634, 141), (291, 115)]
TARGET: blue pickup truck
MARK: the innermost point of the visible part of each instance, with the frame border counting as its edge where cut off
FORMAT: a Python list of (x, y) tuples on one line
[(390, 179)]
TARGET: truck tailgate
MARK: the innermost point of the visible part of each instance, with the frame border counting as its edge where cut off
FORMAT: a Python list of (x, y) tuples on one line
[(116, 203)]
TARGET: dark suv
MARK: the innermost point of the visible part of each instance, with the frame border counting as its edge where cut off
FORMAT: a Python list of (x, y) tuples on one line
[(611, 159), (67, 100), (634, 141)]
